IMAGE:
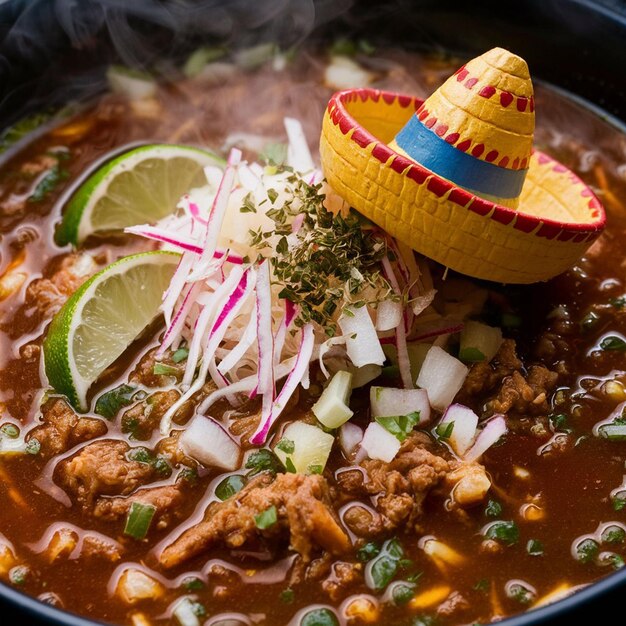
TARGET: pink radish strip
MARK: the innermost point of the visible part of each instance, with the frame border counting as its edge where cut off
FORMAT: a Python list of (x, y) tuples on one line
[(281, 333), (265, 340), (178, 321), (291, 384), (176, 286), (404, 362), (446, 330), (235, 355), (491, 432), (165, 236), (216, 216)]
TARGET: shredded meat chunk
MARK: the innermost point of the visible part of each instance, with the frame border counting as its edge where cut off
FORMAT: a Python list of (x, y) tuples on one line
[(101, 468), (525, 396), (49, 294), (303, 511), (400, 486), (141, 419), (63, 429), (167, 499)]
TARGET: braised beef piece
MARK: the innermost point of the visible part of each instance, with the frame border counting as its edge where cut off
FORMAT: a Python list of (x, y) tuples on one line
[(303, 511), (62, 428), (506, 387), (167, 499), (103, 468), (50, 293), (400, 487), (143, 418)]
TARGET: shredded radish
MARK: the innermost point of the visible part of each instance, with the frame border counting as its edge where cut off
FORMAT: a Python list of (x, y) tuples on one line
[(490, 434), (362, 343), (439, 331), (236, 354), (298, 153)]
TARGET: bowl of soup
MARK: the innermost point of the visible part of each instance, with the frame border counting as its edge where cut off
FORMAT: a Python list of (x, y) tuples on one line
[(229, 399)]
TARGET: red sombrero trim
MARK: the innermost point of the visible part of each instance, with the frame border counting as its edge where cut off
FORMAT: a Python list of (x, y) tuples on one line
[(548, 229)]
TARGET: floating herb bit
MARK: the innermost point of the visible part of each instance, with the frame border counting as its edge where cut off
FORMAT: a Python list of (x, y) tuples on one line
[(286, 445), (534, 547), (266, 519), (10, 430), (382, 569), (481, 585), (402, 592), (523, 593), (613, 343), (444, 430), (192, 583), (230, 486), (139, 519), (33, 446), (368, 552), (493, 509), (613, 534), (18, 575), (163, 369), (586, 550), (618, 500), (263, 460), (319, 617), (401, 425), (287, 596), (506, 532), (109, 404), (180, 355)]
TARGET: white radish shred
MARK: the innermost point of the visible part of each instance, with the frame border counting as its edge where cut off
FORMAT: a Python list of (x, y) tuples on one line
[(490, 434), (379, 443), (206, 441), (298, 153)]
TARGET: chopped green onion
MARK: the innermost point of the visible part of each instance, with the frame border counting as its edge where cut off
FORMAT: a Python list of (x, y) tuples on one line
[(444, 430), (139, 520), (314, 469), (180, 355), (471, 355), (109, 403), (400, 425), (162, 369), (382, 569), (10, 430), (192, 583), (140, 455), (286, 445), (266, 519), (613, 432), (230, 486), (612, 342), (263, 460), (521, 593), (289, 465)]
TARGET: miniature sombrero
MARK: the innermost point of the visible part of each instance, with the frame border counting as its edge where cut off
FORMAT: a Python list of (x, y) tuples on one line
[(456, 178)]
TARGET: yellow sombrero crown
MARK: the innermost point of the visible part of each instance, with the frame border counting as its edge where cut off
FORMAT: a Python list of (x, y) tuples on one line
[(477, 129), (456, 178)]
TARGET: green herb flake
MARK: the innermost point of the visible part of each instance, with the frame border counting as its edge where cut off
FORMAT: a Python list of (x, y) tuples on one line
[(162, 467), (248, 205), (619, 302), (400, 426), (229, 486), (266, 519), (163, 369), (272, 194), (180, 355), (368, 552), (471, 355), (383, 569), (534, 547), (55, 175), (402, 593), (560, 423), (192, 583), (613, 343), (493, 509), (615, 560), (286, 445), (287, 596), (197, 608), (314, 469), (506, 532), (274, 154), (587, 550), (613, 534), (11, 431), (263, 460), (520, 593), (18, 575), (189, 475), (444, 430), (289, 466), (319, 617), (481, 585), (140, 455), (111, 402), (510, 320), (139, 519), (33, 446)]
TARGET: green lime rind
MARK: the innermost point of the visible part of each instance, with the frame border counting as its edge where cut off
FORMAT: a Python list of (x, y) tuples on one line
[(77, 224), (125, 322)]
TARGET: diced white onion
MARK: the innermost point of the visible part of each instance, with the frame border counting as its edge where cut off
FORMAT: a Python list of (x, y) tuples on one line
[(312, 447), (206, 441), (379, 443), (464, 430), (362, 343), (491, 432), (387, 402), (388, 315), (350, 436), (442, 376)]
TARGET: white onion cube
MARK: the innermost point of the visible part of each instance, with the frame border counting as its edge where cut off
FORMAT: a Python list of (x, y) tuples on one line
[(207, 442), (442, 375), (380, 443)]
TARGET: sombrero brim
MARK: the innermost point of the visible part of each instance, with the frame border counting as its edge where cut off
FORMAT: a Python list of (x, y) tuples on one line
[(557, 220)]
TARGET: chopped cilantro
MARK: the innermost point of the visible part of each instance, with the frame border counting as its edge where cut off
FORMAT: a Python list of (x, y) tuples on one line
[(402, 593), (18, 574), (534, 547), (266, 519), (286, 445), (471, 355), (263, 460), (506, 532), (368, 552), (493, 509), (192, 583), (47, 184), (481, 585), (315, 469), (400, 425), (613, 534), (319, 617), (382, 569), (521, 593), (289, 466), (109, 403), (618, 500), (587, 550), (444, 430), (287, 596), (559, 422), (140, 455), (615, 560)]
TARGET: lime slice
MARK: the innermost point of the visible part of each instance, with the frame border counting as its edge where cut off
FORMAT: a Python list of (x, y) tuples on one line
[(142, 185), (102, 318)]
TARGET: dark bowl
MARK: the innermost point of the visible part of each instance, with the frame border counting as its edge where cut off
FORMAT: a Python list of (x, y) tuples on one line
[(54, 51)]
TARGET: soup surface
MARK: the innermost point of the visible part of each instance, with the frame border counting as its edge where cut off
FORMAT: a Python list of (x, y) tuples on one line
[(365, 541)]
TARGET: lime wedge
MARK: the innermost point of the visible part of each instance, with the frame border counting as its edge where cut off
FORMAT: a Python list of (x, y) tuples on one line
[(142, 185), (102, 318)]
